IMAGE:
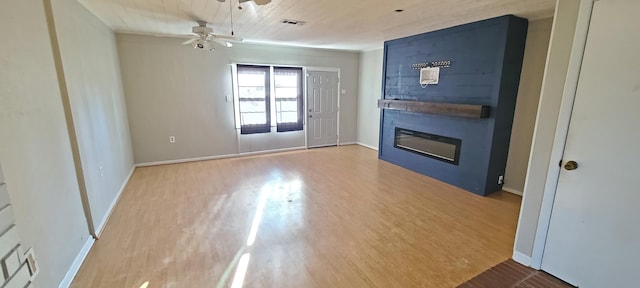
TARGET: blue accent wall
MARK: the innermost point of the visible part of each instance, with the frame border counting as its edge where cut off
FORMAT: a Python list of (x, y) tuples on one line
[(486, 60)]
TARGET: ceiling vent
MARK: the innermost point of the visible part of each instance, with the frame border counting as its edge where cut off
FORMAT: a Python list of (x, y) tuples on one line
[(293, 22)]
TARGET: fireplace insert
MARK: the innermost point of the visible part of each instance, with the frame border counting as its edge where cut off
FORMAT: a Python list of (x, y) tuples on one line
[(438, 147)]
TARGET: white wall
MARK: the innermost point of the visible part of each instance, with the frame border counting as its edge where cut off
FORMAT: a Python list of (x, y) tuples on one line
[(535, 56), (555, 74), (92, 74), (370, 91), (174, 90), (34, 145)]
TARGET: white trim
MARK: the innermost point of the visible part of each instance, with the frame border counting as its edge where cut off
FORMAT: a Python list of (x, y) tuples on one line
[(367, 146), (512, 191), (234, 63), (305, 121), (273, 118), (562, 129), (185, 160), (103, 223), (372, 49), (521, 258), (245, 154), (324, 69), (338, 118), (177, 161), (234, 91), (75, 266), (347, 143)]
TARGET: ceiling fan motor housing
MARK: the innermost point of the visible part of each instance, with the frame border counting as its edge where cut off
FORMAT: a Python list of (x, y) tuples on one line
[(202, 30)]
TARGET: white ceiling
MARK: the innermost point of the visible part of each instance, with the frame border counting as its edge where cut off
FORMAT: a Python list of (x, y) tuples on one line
[(336, 24)]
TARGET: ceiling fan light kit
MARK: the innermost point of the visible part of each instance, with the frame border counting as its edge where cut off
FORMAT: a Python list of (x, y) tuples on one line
[(204, 45), (203, 35), (204, 38)]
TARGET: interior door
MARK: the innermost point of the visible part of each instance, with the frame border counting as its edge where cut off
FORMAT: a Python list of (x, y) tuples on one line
[(322, 102), (594, 233)]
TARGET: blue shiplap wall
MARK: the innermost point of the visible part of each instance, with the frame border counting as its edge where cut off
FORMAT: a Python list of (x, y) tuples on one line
[(486, 59)]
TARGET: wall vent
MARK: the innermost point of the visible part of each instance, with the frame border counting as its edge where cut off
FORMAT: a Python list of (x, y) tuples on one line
[(293, 22)]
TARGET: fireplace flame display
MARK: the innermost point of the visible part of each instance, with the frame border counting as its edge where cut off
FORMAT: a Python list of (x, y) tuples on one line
[(438, 147)]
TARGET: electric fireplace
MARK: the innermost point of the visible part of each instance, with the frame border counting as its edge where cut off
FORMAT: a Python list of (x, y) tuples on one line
[(438, 147)]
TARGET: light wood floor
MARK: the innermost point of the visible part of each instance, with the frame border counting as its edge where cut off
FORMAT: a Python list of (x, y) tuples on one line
[(330, 217)]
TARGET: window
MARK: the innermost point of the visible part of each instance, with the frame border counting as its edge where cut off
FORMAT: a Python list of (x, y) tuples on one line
[(288, 98), (253, 99), (255, 85)]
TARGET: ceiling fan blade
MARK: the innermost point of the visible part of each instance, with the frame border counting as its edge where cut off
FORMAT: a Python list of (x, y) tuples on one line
[(173, 35), (189, 41), (262, 2), (224, 43), (227, 37)]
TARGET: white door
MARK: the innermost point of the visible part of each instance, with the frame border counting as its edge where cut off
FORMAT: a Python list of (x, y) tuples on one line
[(594, 233), (322, 105)]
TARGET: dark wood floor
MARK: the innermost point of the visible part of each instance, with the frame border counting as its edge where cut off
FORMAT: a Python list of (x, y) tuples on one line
[(510, 274)]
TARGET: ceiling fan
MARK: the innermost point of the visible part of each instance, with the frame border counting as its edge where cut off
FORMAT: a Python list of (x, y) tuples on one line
[(258, 2), (204, 38)]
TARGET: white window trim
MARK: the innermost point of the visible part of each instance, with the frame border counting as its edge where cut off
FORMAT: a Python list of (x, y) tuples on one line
[(272, 100)]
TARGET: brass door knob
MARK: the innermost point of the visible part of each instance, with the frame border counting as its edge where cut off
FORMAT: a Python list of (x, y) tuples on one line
[(571, 165)]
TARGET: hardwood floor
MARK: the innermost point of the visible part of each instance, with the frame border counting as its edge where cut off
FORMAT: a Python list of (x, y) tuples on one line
[(510, 274), (330, 217)]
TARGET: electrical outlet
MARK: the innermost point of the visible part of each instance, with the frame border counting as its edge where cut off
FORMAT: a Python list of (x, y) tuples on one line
[(101, 171), (172, 139), (500, 179)]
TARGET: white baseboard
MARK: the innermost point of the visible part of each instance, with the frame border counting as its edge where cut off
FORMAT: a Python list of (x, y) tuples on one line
[(269, 151), (367, 146), (177, 161), (346, 143), (75, 266), (244, 154), (103, 223), (511, 190), (521, 258)]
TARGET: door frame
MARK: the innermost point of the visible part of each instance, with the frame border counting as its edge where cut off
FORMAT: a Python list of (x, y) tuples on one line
[(562, 130), (306, 116)]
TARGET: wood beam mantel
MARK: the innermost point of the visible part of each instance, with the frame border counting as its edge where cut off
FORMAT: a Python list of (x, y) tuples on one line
[(449, 109)]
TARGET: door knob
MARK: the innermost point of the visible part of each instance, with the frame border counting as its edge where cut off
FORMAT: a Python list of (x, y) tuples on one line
[(571, 165), (310, 116)]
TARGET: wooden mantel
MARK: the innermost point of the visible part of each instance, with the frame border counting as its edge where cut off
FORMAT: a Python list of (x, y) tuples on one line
[(449, 109)]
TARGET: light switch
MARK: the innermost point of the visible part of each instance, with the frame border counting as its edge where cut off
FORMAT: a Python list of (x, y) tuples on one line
[(343, 91)]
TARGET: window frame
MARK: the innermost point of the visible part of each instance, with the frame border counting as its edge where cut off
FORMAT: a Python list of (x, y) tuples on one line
[(298, 125), (254, 128), (272, 118)]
